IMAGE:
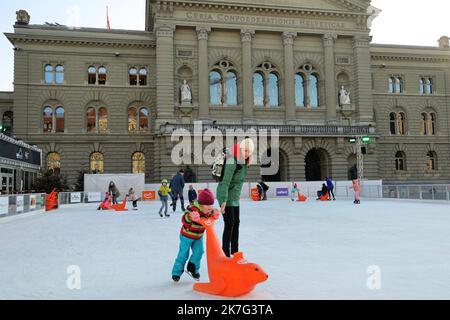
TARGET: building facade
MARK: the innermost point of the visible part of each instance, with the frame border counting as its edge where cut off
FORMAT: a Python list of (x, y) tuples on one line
[(108, 100)]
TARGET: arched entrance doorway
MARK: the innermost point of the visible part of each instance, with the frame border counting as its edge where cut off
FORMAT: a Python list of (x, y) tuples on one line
[(317, 165), (283, 164)]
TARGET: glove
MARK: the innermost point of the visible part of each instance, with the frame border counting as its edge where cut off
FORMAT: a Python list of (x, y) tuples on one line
[(194, 216), (216, 214)]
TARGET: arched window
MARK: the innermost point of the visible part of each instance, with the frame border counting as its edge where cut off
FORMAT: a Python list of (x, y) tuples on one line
[(92, 75), (400, 161), (138, 122), (102, 120), (7, 123), (53, 162), (231, 89), (401, 123), (96, 161), (313, 90), (223, 88), (133, 77), (273, 90), (432, 124), (258, 89), (431, 161), (138, 162), (266, 86), (423, 123), (299, 90), (143, 119), (60, 119), (429, 86), (49, 75), (102, 75), (59, 74), (398, 85), (391, 85), (48, 119), (132, 119), (422, 86), (215, 88), (143, 77), (91, 120), (393, 123)]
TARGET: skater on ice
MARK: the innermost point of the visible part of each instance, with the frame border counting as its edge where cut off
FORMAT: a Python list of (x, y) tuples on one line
[(106, 203), (357, 190), (323, 192), (132, 197), (330, 187), (177, 187), (191, 236), (229, 192), (294, 192), (163, 193), (192, 194), (114, 191)]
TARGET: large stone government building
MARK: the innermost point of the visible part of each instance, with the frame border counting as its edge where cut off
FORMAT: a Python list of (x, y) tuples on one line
[(108, 100)]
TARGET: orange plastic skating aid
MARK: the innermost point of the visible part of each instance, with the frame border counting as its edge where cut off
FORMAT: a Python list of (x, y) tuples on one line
[(324, 197), (51, 200), (229, 277), (120, 206), (302, 198)]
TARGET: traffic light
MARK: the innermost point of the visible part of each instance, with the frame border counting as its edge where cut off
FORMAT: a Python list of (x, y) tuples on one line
[(352, 140)]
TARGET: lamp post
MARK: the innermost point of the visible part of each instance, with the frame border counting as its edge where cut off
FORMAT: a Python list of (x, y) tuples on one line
[(359, 141)]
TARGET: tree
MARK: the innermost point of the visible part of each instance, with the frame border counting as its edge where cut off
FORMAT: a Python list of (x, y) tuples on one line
[(49, 180), (79, 184)]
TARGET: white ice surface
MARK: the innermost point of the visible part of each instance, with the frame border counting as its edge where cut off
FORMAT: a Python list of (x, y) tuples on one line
[(313, 250)]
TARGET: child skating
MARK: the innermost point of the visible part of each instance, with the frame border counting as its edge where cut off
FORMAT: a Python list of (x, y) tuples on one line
[(132, 197), (191, 236), (357, 190), (294, 191), (163, 193)]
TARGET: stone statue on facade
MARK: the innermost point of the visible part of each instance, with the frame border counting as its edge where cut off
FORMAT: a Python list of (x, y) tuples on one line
[(344, 97), (186, 94), (22, 17)]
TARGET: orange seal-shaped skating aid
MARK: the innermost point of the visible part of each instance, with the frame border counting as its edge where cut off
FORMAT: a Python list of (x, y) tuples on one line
[(228, 277)]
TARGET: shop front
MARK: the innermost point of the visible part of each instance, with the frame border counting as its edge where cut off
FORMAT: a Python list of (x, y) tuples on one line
[(19, 165)]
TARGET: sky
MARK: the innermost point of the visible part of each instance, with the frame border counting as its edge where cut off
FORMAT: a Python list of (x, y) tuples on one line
[(409, 22)]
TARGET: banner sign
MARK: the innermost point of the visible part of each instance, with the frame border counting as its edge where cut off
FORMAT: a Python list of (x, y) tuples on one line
[(75, 197), (148, 195), (282, 192), (14, 152), (32, 202), (19, 204)]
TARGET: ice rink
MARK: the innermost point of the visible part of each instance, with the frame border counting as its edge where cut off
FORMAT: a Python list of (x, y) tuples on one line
[(313, 250)]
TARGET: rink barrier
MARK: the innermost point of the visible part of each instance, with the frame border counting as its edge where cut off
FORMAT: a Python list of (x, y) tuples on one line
[(11, 205), (417, 192)]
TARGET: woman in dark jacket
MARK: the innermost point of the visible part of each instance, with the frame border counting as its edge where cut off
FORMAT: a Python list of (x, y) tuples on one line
[(112, 189), (229, 192)]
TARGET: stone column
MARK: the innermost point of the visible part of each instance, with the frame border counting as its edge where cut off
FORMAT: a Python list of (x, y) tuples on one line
[(362, 95), (289, 85), (165, 73), (203, 72), (330, 82), (247, 75)]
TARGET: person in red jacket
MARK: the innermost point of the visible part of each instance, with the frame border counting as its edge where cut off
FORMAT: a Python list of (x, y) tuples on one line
[(191, 235)]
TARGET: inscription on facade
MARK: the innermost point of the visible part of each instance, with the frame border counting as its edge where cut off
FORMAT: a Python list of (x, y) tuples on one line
[(240, 19)]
